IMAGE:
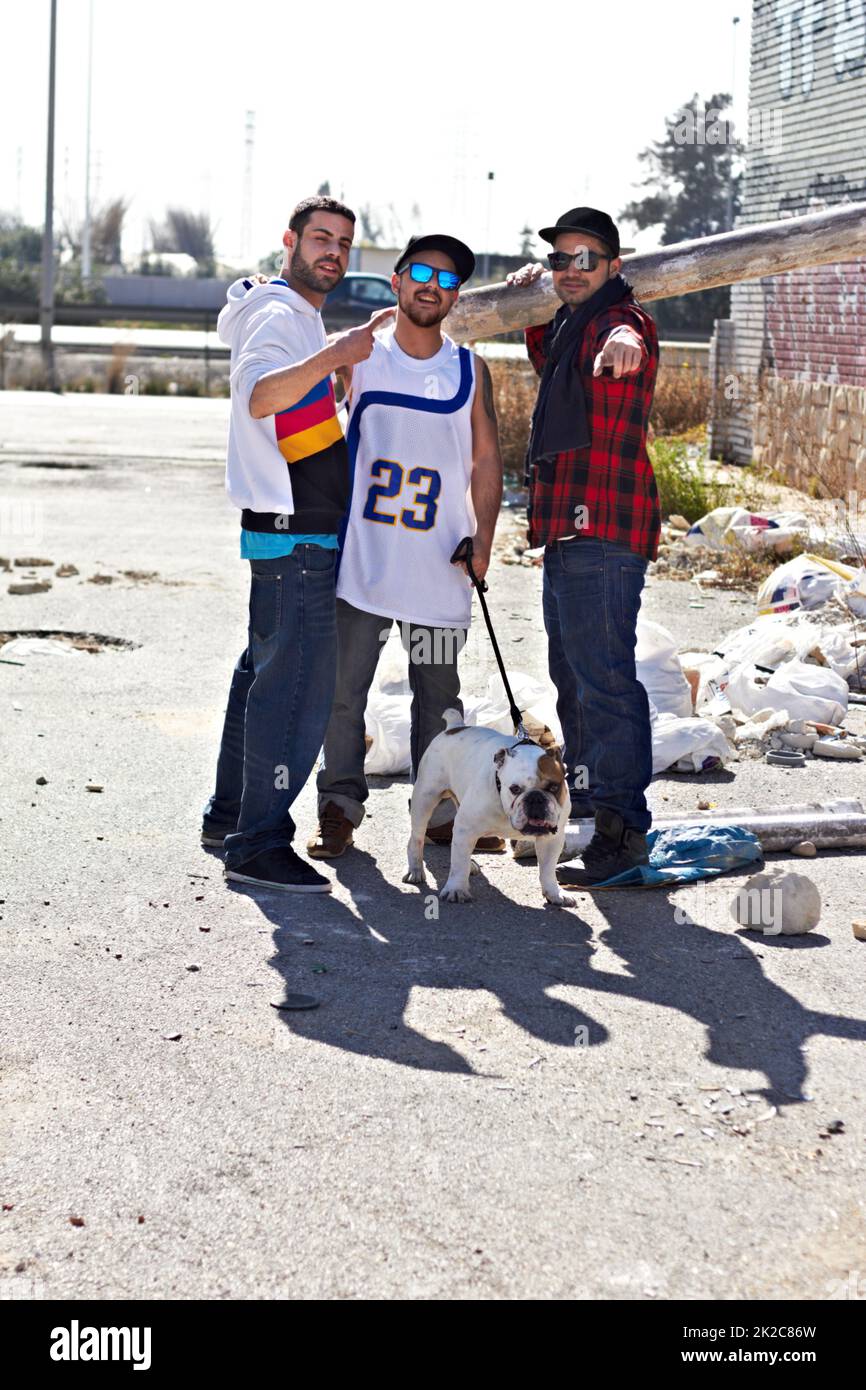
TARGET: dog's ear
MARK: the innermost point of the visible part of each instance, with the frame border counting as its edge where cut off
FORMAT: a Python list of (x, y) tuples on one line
[(550, 765), (499, 757)]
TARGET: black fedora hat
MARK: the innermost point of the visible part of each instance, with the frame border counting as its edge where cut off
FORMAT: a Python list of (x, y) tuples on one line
[(590, 220), (464, 261)]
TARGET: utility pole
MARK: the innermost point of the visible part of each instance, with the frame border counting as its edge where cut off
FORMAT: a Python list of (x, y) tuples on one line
[(85, 240), (729, 215), (46, 300), (486, 260), (247, 203)]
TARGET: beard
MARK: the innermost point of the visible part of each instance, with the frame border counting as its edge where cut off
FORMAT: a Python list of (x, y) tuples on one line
[(307, 274), (573, 297), (422, 315)]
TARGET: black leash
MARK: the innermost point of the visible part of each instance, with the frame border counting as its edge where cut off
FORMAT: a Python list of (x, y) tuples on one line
[(464, 553)]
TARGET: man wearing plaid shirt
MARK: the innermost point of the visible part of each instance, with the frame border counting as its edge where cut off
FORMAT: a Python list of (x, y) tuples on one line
[(593, 505)]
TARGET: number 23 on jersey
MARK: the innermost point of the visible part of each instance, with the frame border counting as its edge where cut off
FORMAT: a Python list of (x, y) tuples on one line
[(420, 513)]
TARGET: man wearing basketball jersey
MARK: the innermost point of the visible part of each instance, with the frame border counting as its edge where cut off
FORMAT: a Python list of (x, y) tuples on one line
[(426, 471)]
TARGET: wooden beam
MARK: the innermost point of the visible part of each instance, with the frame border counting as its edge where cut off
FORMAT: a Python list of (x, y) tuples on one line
[(747, 253)]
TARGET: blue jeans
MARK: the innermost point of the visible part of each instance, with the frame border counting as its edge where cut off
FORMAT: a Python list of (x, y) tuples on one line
[(435, 687), (279, 702), (591, 599)]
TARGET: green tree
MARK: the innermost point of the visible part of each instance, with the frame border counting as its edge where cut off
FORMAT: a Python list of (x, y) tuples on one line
[(20, 256), (527, 242), (692, 184), (21, 269)]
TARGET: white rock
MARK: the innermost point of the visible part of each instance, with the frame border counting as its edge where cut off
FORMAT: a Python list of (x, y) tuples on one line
[(805, 849), (777, 902)]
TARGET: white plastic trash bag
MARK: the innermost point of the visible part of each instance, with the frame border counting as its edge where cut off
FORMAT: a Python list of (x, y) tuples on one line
[(388, 714), (725, 527), (804, 691), (388, 723), (660, 671), (807, 581), (534, 698), (854, 594), (689, 745), (800, 680)]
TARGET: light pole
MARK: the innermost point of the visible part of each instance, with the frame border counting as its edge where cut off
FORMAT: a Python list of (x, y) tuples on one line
[(46, 301), (729, 217), (486, 260), (85, 240)]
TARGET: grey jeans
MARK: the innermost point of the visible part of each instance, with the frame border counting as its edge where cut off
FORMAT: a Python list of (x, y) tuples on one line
[(435, 687)]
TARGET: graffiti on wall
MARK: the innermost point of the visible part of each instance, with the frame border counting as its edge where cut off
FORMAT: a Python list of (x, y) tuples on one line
[(802, 24)]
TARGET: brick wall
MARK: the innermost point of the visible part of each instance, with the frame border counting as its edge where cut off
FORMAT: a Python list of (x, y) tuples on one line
[(806, 151)]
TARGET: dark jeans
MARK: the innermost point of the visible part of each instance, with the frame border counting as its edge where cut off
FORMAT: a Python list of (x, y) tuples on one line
[(435, 687), (592, 592), (279, 702)]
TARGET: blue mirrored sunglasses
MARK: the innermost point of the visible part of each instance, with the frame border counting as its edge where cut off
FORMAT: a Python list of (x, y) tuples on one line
[(423, 274)]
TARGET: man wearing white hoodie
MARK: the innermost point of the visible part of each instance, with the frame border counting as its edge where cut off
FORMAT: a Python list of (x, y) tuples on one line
[(287, 471)]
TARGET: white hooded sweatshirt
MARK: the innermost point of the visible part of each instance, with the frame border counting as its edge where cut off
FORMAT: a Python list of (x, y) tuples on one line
[(270, 327)]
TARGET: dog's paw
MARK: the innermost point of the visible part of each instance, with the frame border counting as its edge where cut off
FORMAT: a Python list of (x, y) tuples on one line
[(455, 895), (417, 876), (474, 868), (561, 900)]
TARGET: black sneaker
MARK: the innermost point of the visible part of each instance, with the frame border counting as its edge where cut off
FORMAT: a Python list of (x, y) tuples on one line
[(282, 869), (613, 849)]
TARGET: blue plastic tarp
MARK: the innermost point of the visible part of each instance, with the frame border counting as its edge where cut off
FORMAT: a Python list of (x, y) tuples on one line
[(684, 855)]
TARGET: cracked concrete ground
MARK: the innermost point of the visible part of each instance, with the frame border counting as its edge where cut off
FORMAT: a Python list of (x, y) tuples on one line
[(504, 1101)]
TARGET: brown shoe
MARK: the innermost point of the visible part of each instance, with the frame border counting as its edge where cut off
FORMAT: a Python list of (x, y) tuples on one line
[(334, 835), (488, 844)]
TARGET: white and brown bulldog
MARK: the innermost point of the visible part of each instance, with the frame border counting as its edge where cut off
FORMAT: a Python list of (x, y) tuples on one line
[(503, 786)]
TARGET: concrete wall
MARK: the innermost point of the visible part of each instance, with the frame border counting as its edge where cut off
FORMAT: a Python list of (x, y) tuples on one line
[(166, 291)]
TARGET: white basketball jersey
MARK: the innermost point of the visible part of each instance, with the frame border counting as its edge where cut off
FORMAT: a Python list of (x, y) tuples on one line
[(410, 451)]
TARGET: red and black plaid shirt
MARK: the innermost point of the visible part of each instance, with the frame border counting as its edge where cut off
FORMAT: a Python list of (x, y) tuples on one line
[(612, 478)]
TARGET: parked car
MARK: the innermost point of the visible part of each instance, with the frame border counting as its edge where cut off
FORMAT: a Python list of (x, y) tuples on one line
[(355, 298)]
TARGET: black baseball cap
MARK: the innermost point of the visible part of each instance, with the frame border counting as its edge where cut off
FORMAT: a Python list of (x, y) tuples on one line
[(464, 261), (590, 220)]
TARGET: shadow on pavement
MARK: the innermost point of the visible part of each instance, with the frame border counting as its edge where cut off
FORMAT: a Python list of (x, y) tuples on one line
[(374, 960), (392, 942), (715, 977)]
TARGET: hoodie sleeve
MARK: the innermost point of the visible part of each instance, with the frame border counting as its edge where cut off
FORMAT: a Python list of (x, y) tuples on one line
[(268, 342)]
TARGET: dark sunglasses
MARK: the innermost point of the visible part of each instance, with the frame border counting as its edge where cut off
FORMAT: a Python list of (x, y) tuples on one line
[(423, 274), (586, 259)]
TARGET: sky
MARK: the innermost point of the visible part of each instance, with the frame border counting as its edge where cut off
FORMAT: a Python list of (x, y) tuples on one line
[(406, 108)]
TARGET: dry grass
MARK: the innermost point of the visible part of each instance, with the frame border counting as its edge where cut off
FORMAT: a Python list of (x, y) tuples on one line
[(116, 373), (681, 404), (515, 387), (682, 399)]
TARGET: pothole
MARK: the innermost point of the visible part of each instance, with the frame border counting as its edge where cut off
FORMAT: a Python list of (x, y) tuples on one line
[(82, 641), (59, 463)]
